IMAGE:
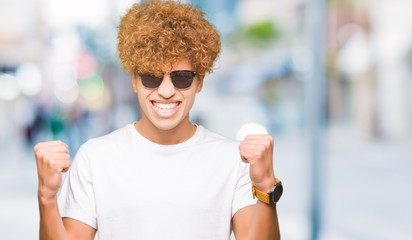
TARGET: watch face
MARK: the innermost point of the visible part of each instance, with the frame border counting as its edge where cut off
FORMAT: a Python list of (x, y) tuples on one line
[(277, 193)]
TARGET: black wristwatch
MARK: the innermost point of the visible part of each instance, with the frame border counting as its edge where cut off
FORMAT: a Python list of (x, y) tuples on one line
[(272, 196)]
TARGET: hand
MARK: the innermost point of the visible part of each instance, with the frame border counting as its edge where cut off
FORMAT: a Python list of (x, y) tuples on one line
[(258, 151), (52, 160)]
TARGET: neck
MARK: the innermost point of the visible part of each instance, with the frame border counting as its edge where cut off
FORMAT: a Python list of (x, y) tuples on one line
[(178, 134)]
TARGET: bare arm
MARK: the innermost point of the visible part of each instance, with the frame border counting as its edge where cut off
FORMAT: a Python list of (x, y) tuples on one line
[(52, 159), (258, 222), (78, 230), (51, 224)]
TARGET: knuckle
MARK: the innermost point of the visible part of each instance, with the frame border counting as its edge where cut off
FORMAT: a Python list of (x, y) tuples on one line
[(52, 164), (39, 152), (259, 153), (48, 159), (267, 143)]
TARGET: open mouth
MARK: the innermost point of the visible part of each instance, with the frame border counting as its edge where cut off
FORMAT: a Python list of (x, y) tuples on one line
[(165, 107)]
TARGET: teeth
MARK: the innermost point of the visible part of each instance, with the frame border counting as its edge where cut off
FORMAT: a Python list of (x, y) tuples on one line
[(165, 107)]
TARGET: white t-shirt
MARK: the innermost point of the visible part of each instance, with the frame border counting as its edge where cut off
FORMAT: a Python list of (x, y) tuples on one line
[(128, 187)]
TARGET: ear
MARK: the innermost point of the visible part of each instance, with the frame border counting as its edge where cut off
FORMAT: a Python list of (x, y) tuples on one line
[(200, 83), (134, 81)]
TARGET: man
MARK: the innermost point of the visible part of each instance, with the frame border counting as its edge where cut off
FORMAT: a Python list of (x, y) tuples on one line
[(161, 177)]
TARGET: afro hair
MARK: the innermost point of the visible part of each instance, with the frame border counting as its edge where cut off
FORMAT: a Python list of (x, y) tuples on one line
[(156, 34)]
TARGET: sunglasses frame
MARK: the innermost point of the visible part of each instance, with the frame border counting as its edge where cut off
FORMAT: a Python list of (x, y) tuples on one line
[(194, 73)]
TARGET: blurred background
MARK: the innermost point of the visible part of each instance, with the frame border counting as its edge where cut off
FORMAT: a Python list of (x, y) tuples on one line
[(330, 80)]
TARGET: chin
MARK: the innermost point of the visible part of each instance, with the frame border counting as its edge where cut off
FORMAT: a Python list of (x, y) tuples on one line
[(166, 126)]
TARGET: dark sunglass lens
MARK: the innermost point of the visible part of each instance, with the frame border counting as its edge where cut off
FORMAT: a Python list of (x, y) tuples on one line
[(182, 79), (150, 80)]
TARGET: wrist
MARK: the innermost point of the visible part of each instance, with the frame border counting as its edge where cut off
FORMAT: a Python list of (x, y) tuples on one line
[(46, 198), (271, 196), (266, 185)]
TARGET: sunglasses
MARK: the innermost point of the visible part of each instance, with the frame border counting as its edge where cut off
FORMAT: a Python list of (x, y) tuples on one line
[(181, 79)]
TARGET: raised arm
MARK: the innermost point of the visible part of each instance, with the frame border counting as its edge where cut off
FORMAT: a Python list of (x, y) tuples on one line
[(258, 222), (52, 160)]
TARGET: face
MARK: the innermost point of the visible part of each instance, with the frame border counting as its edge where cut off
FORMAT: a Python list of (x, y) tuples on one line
[(167, 107)]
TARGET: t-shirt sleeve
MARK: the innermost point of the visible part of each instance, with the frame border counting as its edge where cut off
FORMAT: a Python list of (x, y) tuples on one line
[(243, 194), (76, 199)]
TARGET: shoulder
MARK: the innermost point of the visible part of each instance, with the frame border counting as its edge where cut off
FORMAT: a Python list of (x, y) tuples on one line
[(114, 139), (116, 136), (215, 142), (209, 136), (223, 152)]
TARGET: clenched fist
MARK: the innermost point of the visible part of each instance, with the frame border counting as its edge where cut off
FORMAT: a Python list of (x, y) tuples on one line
[(258, 151), (52, 160)]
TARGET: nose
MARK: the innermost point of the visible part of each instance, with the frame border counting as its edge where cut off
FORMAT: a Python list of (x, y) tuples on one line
[(166, 88)]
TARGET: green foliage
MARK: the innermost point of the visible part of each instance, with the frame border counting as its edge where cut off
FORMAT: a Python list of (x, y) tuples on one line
[(260, 34), (262, 31)]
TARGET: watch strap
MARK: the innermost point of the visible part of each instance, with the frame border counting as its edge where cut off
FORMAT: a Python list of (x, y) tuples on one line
[(262, 196)]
